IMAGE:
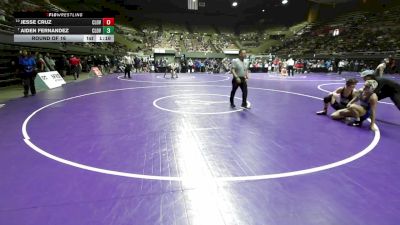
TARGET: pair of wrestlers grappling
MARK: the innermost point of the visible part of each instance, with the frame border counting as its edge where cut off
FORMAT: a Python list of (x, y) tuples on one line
[(344, 99)]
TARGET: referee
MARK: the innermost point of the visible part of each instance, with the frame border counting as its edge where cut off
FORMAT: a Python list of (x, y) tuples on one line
[(240, 75)]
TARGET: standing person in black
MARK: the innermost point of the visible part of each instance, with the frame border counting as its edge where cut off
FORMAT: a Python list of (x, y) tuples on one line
[(28, 73), (386, 87), (240, 75), (346, 94), (61, 65), (14, 65), (392, 65), (136, 61), (128, 68)]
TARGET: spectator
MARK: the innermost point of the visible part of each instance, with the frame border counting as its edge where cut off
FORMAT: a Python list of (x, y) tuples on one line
[(75, 63), (28, 73)]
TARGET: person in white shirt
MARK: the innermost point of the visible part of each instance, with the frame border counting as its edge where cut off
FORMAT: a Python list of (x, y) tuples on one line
[(290, 65), (240, 75), (128, 66), (176, 68), (173, 68), (340, 66), (380, 69)]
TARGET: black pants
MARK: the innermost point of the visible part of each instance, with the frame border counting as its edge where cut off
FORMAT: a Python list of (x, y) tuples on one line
[(395, 97), (75, 69), (243, 87), (168, 70), (290, 70), (28, 81), (127, 71), (340, 70)]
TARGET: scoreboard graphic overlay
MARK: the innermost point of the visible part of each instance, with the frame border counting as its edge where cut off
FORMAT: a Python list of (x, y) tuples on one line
[(63, 27)]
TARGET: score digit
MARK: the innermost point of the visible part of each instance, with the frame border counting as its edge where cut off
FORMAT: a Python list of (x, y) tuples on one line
[(108, 30), (108, 21)]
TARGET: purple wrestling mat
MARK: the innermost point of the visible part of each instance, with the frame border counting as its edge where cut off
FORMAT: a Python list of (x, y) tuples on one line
[(155, 150)]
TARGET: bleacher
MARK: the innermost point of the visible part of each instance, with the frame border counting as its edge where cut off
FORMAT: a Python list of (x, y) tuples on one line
[(359, 32), (7, 75)]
